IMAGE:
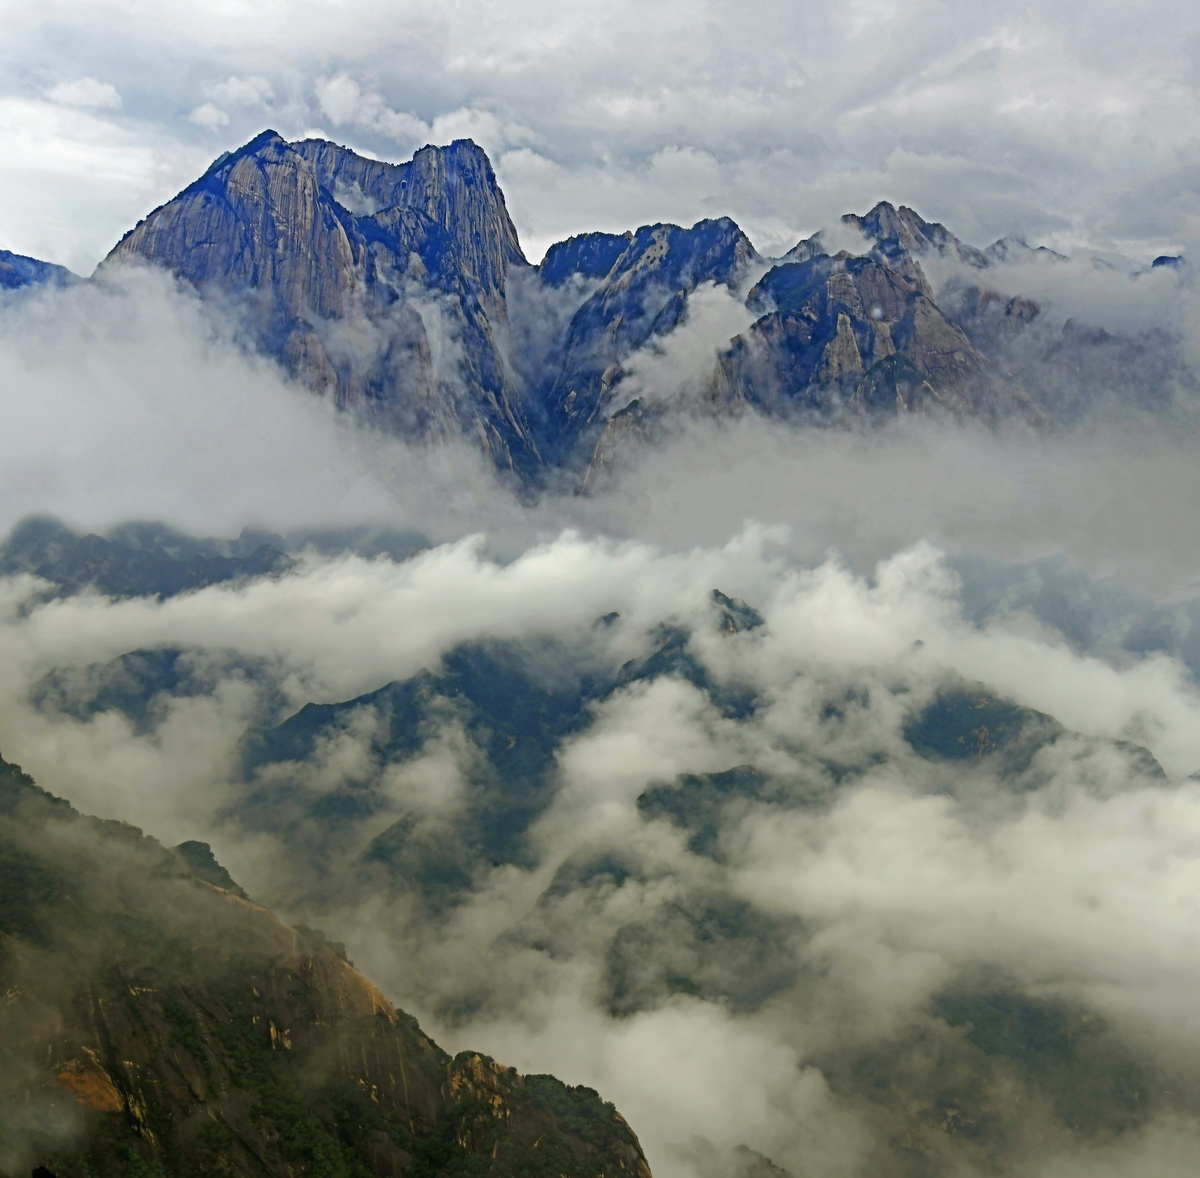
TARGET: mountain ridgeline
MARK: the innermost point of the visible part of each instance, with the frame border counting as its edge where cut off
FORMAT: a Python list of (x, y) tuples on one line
[(401, 290)]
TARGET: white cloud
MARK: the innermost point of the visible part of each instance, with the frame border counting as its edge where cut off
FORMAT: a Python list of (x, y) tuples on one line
[(131, 384), (87, 93), (76, 180), (345, 103), (895, 880), (248, 91), (680, 364), (991, 119), (210, 116), (890, 881)]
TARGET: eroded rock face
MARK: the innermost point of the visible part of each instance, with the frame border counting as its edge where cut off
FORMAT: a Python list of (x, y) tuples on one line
[(453, 186), (642, 294), (588, 255), (382, 284), (826, 341), (156, 1023)]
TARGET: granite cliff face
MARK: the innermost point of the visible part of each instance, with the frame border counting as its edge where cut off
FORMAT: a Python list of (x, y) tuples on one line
[(401, 290), (852, 332), (156, 1022), (381, 284)]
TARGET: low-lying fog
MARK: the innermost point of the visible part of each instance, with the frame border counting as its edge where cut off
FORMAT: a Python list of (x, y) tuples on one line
[(783, 980)]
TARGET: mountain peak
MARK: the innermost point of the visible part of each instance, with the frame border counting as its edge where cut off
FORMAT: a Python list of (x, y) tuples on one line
[(253, 146), (886, 220), (1013, 248), (467, 145), (321, 234), (18, 270), (901, 230), (261, 140)]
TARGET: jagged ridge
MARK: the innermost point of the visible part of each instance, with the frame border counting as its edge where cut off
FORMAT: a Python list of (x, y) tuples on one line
[(388, 286)]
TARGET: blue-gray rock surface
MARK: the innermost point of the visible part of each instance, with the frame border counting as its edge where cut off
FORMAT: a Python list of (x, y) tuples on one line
[(401, 291), (18, 271), (381, 284)]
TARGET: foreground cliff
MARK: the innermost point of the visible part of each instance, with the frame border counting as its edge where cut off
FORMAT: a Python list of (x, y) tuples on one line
[(155, 1022)]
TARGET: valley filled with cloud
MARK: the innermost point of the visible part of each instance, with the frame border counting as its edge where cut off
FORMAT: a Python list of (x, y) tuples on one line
[(748, 668), (789, 871)]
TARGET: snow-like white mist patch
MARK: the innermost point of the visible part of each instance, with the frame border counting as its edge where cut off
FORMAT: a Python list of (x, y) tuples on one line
[(680, 364)]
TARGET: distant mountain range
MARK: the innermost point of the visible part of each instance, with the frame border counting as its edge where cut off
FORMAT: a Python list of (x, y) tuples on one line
[(401, 290)]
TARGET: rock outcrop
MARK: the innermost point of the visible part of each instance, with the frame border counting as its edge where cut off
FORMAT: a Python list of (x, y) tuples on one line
[(642, 294), (846, 332), (900, 234)]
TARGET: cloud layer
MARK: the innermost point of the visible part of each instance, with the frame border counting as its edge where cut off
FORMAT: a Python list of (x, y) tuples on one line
[(994, 119), (130, 399), (723, 989)]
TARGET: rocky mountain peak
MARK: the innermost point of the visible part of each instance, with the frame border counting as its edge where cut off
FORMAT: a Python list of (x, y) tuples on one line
[(454, 186), (1016, 249), (353, 271), (267, 146), (588, 255), (647, 278), (713, 250), (310, 238), (899, 232)]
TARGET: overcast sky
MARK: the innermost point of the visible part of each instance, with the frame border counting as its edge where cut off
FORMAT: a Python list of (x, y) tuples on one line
[(1067, 122)]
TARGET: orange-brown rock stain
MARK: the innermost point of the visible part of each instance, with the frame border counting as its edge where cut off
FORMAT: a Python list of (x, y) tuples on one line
[(92, 1087)]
